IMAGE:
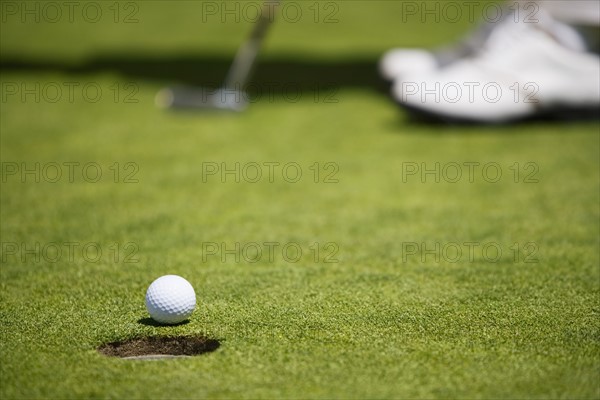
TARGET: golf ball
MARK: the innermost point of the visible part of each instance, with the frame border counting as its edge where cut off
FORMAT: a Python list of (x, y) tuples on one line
[(170, 299)]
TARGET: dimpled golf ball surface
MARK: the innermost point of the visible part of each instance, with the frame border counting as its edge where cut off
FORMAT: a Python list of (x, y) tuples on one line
[(170, 299)]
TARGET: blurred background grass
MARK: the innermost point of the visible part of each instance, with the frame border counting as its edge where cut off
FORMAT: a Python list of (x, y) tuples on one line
[(372, 325), (324, 29)]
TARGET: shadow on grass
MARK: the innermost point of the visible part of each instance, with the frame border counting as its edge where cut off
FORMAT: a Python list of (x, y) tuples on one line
[(209, 70), (441, 126), (284, 78), (151, 322)]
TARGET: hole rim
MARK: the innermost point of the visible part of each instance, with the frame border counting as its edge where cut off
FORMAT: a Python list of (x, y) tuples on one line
[(158, 347)]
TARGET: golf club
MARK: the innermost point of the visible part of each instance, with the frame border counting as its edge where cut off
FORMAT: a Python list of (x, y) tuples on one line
[(231, 96)]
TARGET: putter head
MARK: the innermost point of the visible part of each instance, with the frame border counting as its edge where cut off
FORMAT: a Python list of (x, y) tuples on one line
[(189, 98)]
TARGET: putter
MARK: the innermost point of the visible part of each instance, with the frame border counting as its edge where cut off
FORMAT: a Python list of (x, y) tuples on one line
[(231, 96)]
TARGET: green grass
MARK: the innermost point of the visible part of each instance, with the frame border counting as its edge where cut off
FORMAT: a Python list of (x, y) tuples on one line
[(379, 323)]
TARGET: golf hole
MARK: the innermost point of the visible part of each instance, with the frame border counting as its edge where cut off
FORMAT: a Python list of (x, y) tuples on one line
[(159, 347)]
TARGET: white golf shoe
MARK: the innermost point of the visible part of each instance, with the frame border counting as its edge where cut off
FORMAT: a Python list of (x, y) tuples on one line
[(398, 62), (401, 61), (523, 70)]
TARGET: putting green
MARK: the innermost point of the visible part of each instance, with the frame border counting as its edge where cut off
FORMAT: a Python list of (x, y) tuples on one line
[(334, 248)]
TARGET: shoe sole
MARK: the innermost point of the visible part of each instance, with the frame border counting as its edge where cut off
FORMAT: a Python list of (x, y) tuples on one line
[(558, 113)]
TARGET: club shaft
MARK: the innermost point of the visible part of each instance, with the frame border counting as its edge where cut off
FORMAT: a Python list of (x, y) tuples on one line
[(245, 58)]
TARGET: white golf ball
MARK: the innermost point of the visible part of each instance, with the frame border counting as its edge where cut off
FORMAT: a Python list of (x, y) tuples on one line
[(170, 299)]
